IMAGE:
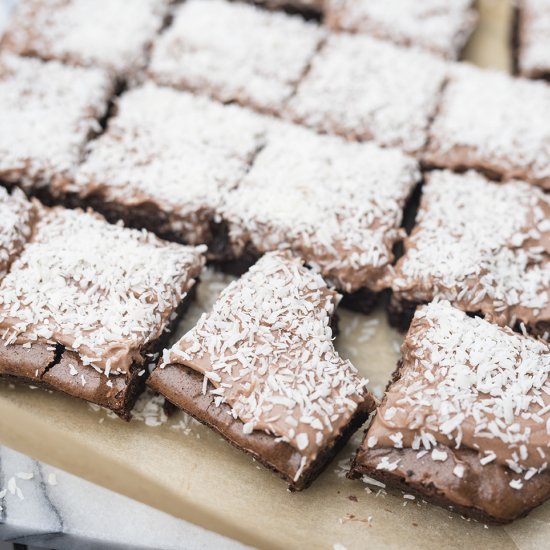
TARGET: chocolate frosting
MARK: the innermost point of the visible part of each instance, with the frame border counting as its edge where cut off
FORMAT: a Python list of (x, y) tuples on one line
[(483, 246), (266, 347), (98, 289)]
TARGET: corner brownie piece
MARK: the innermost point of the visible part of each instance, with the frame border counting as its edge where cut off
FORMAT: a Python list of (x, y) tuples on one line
[(490, 121), (261, 370), (87, 304), (338, 205), (533, 38), (16, 222), (466, 421), (439, 26), (482, 245), (366, 89), (235, 52), (165, 160), (48, 112), (112, 34)]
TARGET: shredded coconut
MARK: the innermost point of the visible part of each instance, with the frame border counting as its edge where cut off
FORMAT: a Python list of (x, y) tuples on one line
[(48, 111), (439, 26), (110, 34), (16, 216), (482, 245), (268, 340), (489, 120), (339, 205), (534, 38), (174, 150), (101, 290), (235, 52), (365, 89)]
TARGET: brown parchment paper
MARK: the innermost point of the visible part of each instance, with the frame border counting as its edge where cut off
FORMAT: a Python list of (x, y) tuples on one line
[(184, 469)]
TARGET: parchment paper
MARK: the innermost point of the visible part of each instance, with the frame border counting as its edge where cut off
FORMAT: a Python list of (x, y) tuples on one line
[(184, 469)]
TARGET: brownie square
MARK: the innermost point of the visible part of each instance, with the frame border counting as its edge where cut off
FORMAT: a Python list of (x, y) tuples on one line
[(260, 368), (235, 52), (87, 305), (465, 423), (439, 26), (338, 205), (112, 34), (490, 121), (48, 112), (366, 89), (484, 246), (533, 38), (17, 216), (165, 161)]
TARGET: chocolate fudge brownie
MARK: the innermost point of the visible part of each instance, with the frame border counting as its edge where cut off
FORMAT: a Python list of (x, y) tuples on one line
[(17, 216), (107, 33), (86, 306), (482, 245), (338, 205), (367, 89), (439, 26), (165, 161), (48, 112), (493, 122), (261, 370), (235, 52), (465, 423), (532, 38)]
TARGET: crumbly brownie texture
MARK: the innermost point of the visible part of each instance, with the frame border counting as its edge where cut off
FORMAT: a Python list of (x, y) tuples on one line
[(105, 33), (533, 38), (165, 161), (366, 89), (336, 204), (95, 293), (482, 245), (272, 382), (48, 111), (440, 26), (257, 66), (495, 123), (16, 221), (466, 422)]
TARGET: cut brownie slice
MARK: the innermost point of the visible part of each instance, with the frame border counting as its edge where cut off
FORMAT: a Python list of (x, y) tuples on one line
[(439, 26), (48, 111), (261, 370), (235, 52), (493, 122), (164, 161), (364, 89), (484, 246), (466, 422), (86, 304), (109, 33), (532, 40), (338, 205), (16, 221)]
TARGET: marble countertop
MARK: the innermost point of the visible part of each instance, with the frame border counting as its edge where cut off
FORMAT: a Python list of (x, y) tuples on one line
[(46, 507)]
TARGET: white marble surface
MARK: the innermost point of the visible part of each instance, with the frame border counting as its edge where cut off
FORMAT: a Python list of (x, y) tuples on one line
[(46, 507)]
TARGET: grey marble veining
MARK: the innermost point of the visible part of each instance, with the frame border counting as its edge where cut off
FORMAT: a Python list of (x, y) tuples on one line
[(54, 509)]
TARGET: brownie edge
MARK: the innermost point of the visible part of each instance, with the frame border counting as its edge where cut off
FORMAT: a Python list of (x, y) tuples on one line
[(183, 387)]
